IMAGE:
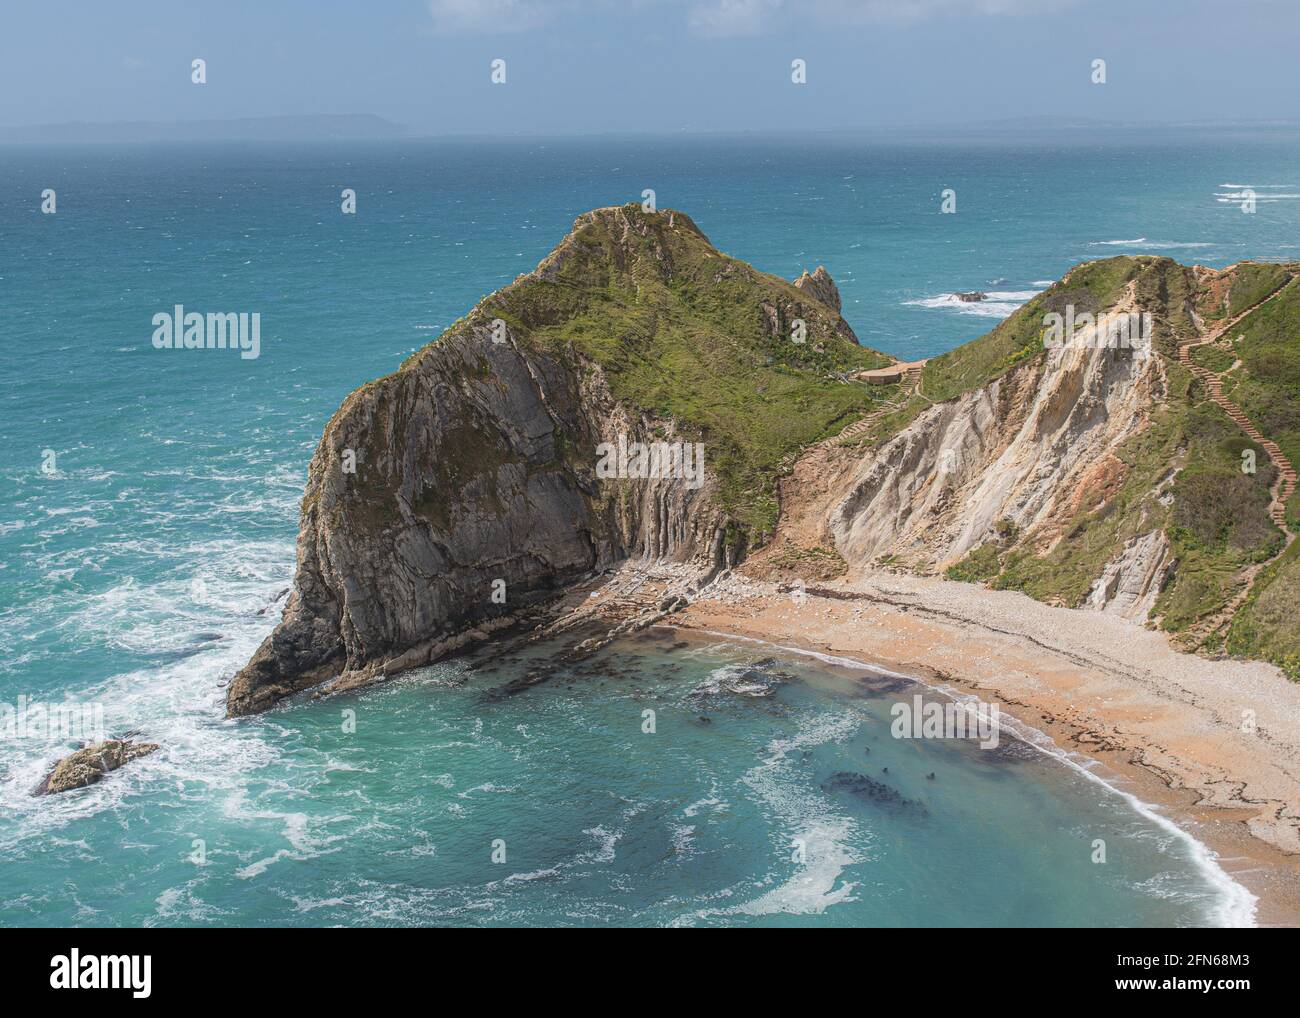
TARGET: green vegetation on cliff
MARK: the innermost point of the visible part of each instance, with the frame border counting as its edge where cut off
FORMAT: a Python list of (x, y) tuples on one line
[(1267, 385), (1090, 288), (691, 335), (1267, 625), (1181, 474)]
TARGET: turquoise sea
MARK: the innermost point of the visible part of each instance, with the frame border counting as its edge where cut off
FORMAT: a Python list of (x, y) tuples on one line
[(140, 567)]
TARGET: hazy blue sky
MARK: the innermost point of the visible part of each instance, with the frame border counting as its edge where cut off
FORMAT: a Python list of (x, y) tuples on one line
[(649, 65)]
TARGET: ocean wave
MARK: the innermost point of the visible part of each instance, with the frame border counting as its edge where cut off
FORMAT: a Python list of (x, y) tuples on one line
[(999, 303), (1242, 196), (1153, 245)]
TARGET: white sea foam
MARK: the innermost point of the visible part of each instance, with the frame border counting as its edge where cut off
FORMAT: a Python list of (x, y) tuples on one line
[(813, 887), (525, 878), (303, 844), (711, 802), (815, 827), (1153, 245), (683, 837), (1239, 196), (606, 840), (199, 640), (737, 679), (485, 787), (998, 303)]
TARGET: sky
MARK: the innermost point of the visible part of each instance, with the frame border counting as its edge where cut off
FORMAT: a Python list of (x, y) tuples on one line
[(641, 66)]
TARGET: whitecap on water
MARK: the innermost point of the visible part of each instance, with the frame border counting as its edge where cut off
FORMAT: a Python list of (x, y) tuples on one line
[(997, 303), (827, 840), (740, 680)]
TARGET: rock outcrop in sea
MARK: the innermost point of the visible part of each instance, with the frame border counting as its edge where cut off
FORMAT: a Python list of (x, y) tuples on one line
[(821, 286), (89, 764)]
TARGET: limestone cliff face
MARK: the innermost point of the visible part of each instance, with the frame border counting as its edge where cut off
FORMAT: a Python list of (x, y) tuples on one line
[(1097, 474), (1015, 454), (1133, 579), (475, 465), (820, 284)]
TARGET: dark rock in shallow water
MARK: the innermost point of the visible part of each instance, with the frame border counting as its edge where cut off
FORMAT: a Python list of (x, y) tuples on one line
[(971, 296), (516, 686), (883, 685), (869, 790), (757, 680), (87, 765), (1010, 750)]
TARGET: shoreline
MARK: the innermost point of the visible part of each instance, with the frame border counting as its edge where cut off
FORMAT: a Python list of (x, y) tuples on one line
[(1097, 704)]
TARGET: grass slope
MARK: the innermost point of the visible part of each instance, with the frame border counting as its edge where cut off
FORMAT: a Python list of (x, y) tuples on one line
[(1183, 473), (694, 336)]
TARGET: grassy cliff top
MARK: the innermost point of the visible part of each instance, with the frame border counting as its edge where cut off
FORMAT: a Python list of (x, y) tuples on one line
[(692, 336)]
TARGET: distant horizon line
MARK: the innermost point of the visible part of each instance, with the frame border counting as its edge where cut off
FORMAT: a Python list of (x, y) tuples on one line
[(373, 127)]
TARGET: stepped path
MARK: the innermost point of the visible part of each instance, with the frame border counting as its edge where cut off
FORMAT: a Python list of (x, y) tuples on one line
[(1282, 488), (909, 378), (817, 479)]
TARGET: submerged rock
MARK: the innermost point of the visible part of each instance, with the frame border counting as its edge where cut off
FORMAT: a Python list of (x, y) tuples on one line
[(87, 765), (868, 789), (882, 685), (758, 680)]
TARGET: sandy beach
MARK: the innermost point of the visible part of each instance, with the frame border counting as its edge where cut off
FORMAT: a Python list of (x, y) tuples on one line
[(1215, 745)]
